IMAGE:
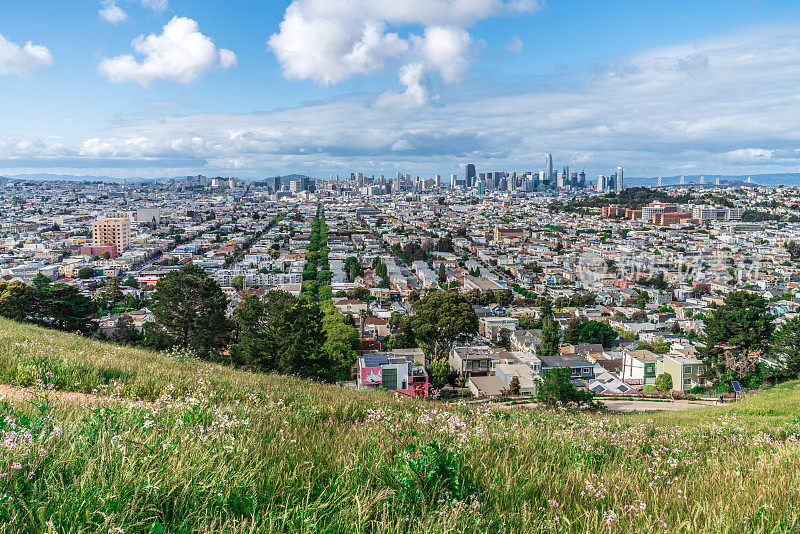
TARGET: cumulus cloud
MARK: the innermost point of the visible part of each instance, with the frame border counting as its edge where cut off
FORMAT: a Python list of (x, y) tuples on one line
[(444, 50), (180, 53), (328, 51), (111, 12), (329, 41), (21, 60)]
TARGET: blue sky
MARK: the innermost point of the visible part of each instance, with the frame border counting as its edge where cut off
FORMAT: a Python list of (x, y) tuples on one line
[(262, 87)]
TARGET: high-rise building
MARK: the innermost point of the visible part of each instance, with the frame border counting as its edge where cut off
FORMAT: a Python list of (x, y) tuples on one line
[(453, 181), (549, 168), (582, 179), (438, 181), (602, 183), (469, 175), (620, 183), (113, 230)]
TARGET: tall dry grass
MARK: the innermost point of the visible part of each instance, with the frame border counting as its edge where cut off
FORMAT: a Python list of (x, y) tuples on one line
[(209, 449)]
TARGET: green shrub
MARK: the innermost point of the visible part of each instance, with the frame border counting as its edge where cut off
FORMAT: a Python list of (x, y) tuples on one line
[(664, 382)]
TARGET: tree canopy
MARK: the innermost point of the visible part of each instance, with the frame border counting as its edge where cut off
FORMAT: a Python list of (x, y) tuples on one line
[(441, 319), (597, 332), (191, 307), (737, 332)]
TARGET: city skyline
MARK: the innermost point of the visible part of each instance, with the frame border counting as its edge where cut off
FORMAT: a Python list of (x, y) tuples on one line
[(170, 88)]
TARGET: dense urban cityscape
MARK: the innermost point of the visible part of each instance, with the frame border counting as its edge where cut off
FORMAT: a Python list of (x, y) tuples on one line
[(643, 268)]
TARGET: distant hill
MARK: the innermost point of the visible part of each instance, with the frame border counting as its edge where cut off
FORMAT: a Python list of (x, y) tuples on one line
[(49, 177), (730, 180)]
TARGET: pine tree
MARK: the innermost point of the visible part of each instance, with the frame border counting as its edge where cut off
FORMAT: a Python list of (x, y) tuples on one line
[(191, 307), (549, 338), (572, 333)]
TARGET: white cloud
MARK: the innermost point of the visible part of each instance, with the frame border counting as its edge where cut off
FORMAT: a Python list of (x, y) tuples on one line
[(328, 51), (155, 5), (514, 46), (415, 94), (21, 60), (402, 146), (444, 50), (111, 12), (180, 53), (749, 154), (329, 41)]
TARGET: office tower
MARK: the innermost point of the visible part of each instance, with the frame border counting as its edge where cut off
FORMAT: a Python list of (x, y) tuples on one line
[(113, 230), (620, 184), (469, 175), (453, 181), (565, 170), (438, 181), (573, 180), (582, 179), (560, 180), (602, 182), (277, 183), (548, 168)]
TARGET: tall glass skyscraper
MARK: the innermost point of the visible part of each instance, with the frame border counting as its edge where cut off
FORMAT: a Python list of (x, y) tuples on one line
[(470, 175)]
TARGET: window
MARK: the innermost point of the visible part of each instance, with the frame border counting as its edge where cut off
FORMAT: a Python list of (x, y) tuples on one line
[(687, 369), (587, 370), (687, 381), (700, 368)]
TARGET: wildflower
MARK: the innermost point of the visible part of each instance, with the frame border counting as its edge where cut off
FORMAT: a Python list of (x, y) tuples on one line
[(16, 465)]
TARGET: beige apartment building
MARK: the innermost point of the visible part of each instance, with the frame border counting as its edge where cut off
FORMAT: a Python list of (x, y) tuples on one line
[(113, 230)]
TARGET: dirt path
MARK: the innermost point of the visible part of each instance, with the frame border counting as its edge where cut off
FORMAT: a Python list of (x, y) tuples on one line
[(624, 405), (629, 405), (19, 394)]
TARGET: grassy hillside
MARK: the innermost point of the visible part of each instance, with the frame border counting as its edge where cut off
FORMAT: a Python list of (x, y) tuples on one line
[(209, 449)]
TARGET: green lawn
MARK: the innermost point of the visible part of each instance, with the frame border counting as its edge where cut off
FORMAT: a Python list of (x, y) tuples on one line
[(210, 449)]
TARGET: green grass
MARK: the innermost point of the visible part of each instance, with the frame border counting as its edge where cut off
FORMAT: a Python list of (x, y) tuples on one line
[(210, 449)]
